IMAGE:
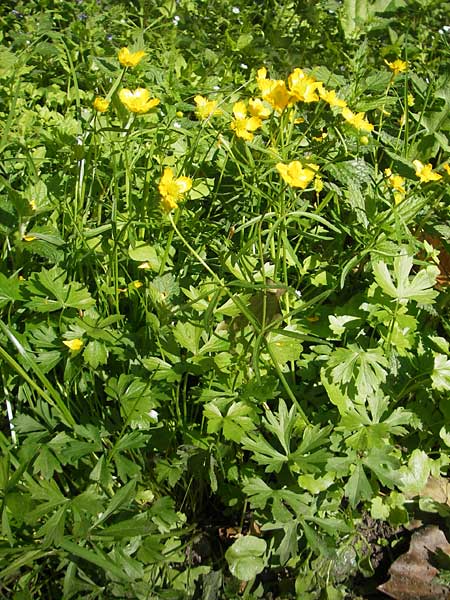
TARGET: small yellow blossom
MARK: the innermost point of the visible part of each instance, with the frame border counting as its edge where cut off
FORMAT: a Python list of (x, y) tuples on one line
[(447, 168), (410, 100), (357, 120), (329, 96), (397, 182), (101, 104), (398, 66), (32, 204), (321, 137), (425, 172), (137, 101), (206, 108), (29, 238), (257, 108), (130, 59), (74, 345), (295, 175), (137, 284), (242, 125), (302, 87), (273, 91), (172, 189)]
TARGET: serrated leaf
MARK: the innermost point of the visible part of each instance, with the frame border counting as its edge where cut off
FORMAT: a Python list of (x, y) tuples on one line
[(95, 354), (358, 487), (9, 290), (419, 288), (48, 291)]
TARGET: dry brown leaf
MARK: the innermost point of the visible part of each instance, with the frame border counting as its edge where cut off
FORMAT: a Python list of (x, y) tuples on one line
[(438, 489), (411, 575)]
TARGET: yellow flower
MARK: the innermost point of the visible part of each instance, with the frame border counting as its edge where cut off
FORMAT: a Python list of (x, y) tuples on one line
[(242, 125), (302, 87), (138, 101), (130, 59), (321, 137), (137, 284), (397, 182), (425, 172), (295, 175), (357, 120), (206, 108), (329, 96), (256, 108), (74, 345), (28, 238), (410, 100), (172, 189), (447, 168), (398, 66), (33, 204), (273, 91), (101, 104)]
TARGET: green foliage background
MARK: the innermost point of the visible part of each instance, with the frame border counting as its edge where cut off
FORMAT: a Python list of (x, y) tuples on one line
[(280, 368)]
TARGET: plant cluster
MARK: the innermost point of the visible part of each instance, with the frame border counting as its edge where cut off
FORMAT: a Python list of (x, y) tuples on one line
[(224, 309)]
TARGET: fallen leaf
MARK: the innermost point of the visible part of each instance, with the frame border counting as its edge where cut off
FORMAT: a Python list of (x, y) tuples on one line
[(411, 575)]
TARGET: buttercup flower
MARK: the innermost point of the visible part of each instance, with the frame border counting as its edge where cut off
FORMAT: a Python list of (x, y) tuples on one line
[(242, 125), (101, 104), (206, 108), (302, 87), (329, 96), (256, 108), (273, 91), (357, 120), (172, 189), (130, 59), (398, 66), (138, 101), (447, 168), (397, 182), (74, 345), (425, 172), (295, 175)]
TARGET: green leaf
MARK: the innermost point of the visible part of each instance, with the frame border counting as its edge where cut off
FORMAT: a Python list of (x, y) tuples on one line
[(95, 354), (413, 478), (245, 558), (440, 376), (188, 336), (9, 290), (283, 347), (48, 291), (121, 498), (419, 288), (358, 487), (145, 253), (53, 528), (96, 558)]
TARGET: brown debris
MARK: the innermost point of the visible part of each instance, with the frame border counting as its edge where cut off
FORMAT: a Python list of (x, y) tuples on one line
[(411, 575)]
